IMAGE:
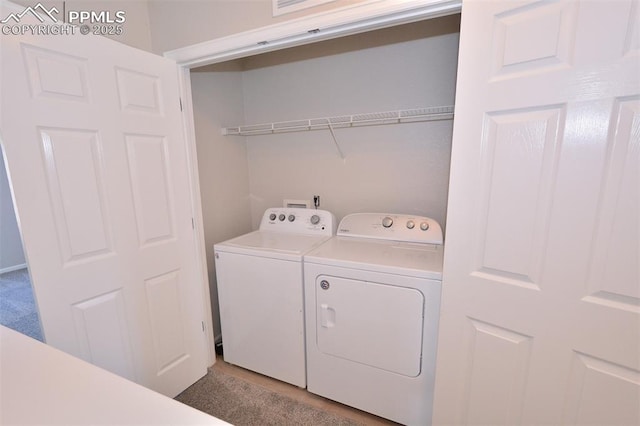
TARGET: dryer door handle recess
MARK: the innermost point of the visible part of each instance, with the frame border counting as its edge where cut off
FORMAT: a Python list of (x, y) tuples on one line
[(327, 316)]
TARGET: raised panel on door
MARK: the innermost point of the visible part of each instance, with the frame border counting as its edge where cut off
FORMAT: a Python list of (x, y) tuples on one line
[(534, 38), (139, 92), (601, 392), (76, 183), (541, 254), (147, 155), (167, 320), (56, 75), (519, 162), (500, 357), (614, 267), (632, 39), (101, 325)]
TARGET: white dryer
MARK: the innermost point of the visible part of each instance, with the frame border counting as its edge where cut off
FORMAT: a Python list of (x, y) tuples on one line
[(372, 302), (260, 291)]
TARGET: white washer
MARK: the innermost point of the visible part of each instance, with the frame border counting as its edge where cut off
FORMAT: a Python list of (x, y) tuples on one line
[(260, 291), (372, 302)]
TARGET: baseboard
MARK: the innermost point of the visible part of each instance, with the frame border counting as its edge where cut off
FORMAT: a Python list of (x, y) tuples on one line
[(12, 268)]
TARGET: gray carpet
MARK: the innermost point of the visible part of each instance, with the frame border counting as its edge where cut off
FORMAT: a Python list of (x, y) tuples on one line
[(243, 403), (17, 306)]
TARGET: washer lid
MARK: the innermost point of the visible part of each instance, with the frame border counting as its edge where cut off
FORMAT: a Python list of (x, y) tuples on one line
[(287, 246), (393, 257)]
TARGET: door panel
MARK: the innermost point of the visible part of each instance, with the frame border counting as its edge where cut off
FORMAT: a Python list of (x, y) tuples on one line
[(139, 92), (92, 134), (166, 317), (518, 168), (502, 357), (103, 332), (600, 393), (150, 186), (515, 51), (541, 306), (75, 180), (56, 75), (614, 274)]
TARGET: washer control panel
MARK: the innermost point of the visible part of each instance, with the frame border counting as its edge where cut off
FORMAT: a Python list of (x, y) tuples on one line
[(301, 221), (396, 227)]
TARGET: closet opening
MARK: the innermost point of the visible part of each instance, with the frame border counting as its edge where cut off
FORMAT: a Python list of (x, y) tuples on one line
[(396, 168)]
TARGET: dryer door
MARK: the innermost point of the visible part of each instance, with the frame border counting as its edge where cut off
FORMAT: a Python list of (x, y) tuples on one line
[(370, 323)]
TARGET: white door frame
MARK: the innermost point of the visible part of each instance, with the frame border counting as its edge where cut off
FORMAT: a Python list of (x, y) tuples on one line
[(362, 17), (367, 16)]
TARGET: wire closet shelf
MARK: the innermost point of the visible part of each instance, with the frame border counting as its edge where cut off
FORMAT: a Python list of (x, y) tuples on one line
[(343, 121)]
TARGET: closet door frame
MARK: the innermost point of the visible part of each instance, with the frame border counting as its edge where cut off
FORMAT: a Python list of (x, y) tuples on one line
[(341, 22)]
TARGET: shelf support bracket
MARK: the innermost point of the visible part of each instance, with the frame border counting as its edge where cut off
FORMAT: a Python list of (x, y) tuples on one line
[(335, 140)]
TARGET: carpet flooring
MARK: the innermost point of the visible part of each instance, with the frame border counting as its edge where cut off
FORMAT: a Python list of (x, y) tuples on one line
[(17, 306), (242, 403)]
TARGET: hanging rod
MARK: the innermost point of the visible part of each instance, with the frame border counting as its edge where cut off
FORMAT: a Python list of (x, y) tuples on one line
[(357, 120)]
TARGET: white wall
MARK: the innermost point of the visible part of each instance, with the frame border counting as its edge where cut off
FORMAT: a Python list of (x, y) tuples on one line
[(136, 28), (180, 23), (161, 25), (222, 163), (11, 253), (395, 168)]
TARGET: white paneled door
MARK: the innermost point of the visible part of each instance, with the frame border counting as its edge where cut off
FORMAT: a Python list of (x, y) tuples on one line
[(541, 294), (92, 134)]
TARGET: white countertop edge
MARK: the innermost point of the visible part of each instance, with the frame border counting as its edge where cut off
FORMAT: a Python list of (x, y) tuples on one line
[(42, 385)]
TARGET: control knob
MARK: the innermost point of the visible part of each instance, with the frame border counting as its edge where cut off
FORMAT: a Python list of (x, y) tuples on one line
[(424, 226), (272, 216), (315, 219), (387, 222), (291, 218), (411, 224), (282, 217)]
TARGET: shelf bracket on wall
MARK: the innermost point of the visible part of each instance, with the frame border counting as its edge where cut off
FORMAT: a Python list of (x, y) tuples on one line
[(335, 141)]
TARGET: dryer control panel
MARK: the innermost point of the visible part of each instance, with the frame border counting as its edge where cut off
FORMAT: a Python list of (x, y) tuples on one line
[(396, 227), (299, 221)]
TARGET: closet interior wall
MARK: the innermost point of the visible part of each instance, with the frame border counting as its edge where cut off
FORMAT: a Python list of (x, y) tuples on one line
[(401, 168), (11, 253)]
